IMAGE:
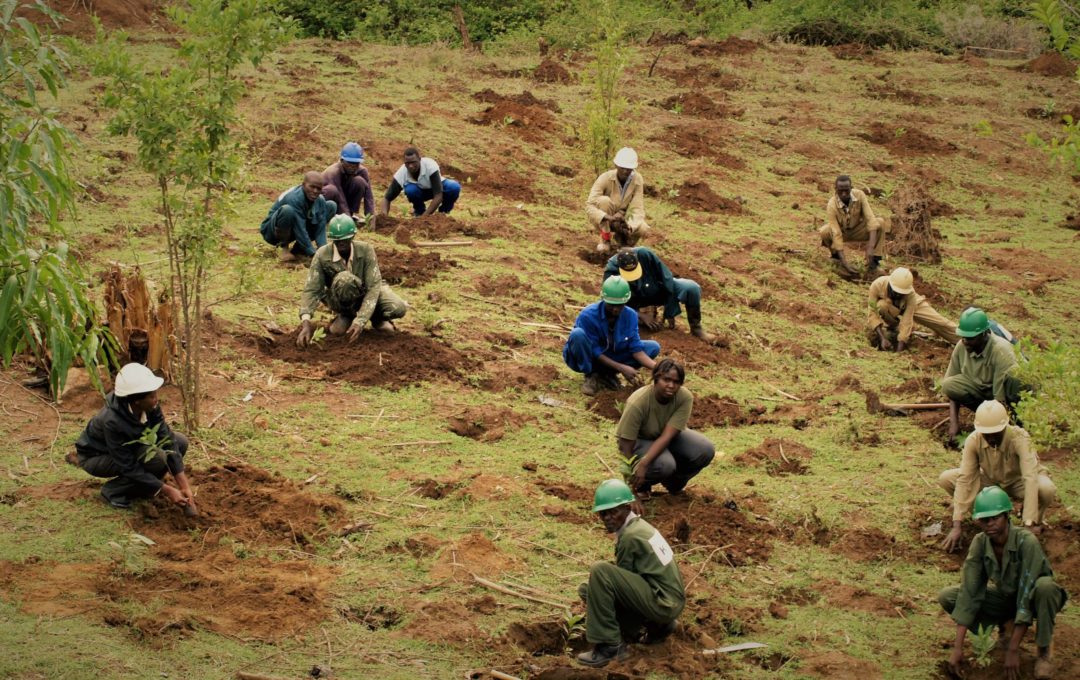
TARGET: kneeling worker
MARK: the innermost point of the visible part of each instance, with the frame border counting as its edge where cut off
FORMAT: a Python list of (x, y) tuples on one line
[(642, 588), (849, 217), (605, 340), (653, 285), (653, 428), (997, 454), (297, 218), (895, 308), (116, 444), (616, 204), (346, 275), (1006, 579)]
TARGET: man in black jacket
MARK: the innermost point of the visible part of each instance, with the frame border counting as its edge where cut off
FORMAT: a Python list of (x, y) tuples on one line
[(130, 443), (653, 285)]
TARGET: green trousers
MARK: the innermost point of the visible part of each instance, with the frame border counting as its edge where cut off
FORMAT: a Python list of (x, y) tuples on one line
[(1046, 601), (618, 603), (966, 392)]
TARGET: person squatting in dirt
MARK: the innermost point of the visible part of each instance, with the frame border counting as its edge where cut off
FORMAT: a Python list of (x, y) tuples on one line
[(980, 369), (605, 341), (652, 285), (895, 308), (1006, 582), (641, 589), (298, 218), (653, 429), (616, 205), (129, 443), (997, 454), (420, 179), (849, 217), (347, 183), (345, 274)]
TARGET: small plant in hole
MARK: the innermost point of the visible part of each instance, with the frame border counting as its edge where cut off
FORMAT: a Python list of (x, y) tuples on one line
[(155, 445), (1049, 109), (319, 335), (626, 466), (900, 132), (983, 643), (573, 626)]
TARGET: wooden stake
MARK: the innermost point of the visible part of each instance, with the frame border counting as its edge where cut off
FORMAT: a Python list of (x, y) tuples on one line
[(425, 442), (501, 676), (441, 244), (916, 407), (503, 589), (604, 462)]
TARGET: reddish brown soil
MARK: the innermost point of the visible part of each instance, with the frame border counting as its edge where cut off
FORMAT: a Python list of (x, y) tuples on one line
[(695, 103), (846, 596), (392, 360), (518, 376), (476, 554), (694, 353), (550, 71), (696, 77), (1066, 663), (865, 544), (443, 622), (496, 181), (1071, 222), (694, 141), (208, 571), (128, 14), (412, 268), (704, 276), (531, 123), (697, 195), (526, 99), (903, 140), (839, 666), (487, 423), (498, 286), (899, 94), (1030, 270), (436, 227), (723, 412), (694, 518), (780, 458), (1050, 64), (699, 47)]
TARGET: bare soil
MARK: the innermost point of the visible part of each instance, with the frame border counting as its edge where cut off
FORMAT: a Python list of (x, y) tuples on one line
[(412, 268), (525, 99), (780, 458), (697, 195), (694, 141), (1050, 64), (903, 140), (496, 181), (695, 103), (435, 227), (531, 123), (391, 360), (550, 71), (487, 423)]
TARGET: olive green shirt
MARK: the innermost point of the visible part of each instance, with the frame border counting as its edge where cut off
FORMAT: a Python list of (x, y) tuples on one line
[(644, 417), (988, 369), (1022, 562), (1003, 466), (326, 264), (642, 550)]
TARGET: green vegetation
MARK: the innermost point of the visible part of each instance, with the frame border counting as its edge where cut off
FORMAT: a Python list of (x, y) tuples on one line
[(606, 105), (1051, 410), (183, 120), (44, 309)]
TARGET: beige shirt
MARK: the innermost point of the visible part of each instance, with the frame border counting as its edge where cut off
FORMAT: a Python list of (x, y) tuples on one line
[(644, 417), (1012, 461), (847, 219), (879, 290), (629, 200)]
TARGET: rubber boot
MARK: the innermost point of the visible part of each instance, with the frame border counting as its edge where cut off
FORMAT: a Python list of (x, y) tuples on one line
[(602, 655), (693, 317)]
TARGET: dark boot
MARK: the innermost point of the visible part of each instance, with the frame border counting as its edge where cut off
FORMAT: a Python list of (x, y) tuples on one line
[(603, 654), (658, 632), (693, 317)]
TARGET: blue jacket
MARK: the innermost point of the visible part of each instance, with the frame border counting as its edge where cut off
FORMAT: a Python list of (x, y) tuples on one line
[(316, 213), (656, 287), (625, 341)]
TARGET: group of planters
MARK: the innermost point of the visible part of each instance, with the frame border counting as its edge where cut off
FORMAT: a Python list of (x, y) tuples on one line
[(1006, 581)]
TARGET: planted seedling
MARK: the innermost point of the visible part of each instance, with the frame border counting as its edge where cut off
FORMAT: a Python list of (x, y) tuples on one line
[(983, 643), (626, 466), (573, 626), (154, 444), (318, 336)]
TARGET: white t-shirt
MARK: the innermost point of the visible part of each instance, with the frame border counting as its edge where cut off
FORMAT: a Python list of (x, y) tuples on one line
[(428, 167)]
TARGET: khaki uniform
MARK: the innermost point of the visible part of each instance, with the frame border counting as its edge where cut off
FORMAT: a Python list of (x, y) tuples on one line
[(374, 300), (852, 223), (1013, 466), (973, 378), (608, 197), (901, 320)]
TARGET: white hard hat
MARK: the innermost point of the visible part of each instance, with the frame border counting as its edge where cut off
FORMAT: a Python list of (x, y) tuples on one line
[(626, 158), (136, 379), (901, 281), (991, 417)]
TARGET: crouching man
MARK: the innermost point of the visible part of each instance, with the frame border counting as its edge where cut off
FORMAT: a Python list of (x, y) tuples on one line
[(643, 588)]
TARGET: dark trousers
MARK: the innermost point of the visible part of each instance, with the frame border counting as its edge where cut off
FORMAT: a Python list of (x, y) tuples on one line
[(125, 488), (354, 201), (1047, 599), (687, 454), (618, 603)]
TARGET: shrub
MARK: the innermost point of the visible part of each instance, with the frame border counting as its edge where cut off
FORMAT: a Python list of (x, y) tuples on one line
[(969, 26), (886, 23), (1050, 411)]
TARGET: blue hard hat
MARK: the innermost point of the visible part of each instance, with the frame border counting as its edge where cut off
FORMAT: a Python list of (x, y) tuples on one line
[(352, 153)]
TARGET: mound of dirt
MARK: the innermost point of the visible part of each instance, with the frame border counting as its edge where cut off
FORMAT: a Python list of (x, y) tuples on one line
[(780, 458), (1050, 64), (531, 123), (412, 268), (436, 227), (475, 553), (127, 14), (392, 360), (495, 181), (694, 141), (722, 412), (851, 51), (695, 103), (851, 597), (713, 522), (906, 141), (700, 47), (697, 195), (899, 94), (911, 237), (865, 544), (694, 353), (487, 423), (444, 622), (497, 286), (550, 71), (1071, 222), (517, 376), (525, 99)]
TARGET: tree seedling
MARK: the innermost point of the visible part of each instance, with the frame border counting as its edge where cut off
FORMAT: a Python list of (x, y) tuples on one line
[(154, 445), (573, 626), (983, 643), (626, 466), (318, 336)]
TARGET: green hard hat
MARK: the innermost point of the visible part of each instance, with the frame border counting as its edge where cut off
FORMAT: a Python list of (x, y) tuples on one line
[(615, 291), (973, 321), (991, 502), (341, 228), (611, 494)]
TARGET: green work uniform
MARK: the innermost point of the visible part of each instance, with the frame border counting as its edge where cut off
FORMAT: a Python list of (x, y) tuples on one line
[(360, 292), (642, 586), (1021, 588), (973, 378)]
